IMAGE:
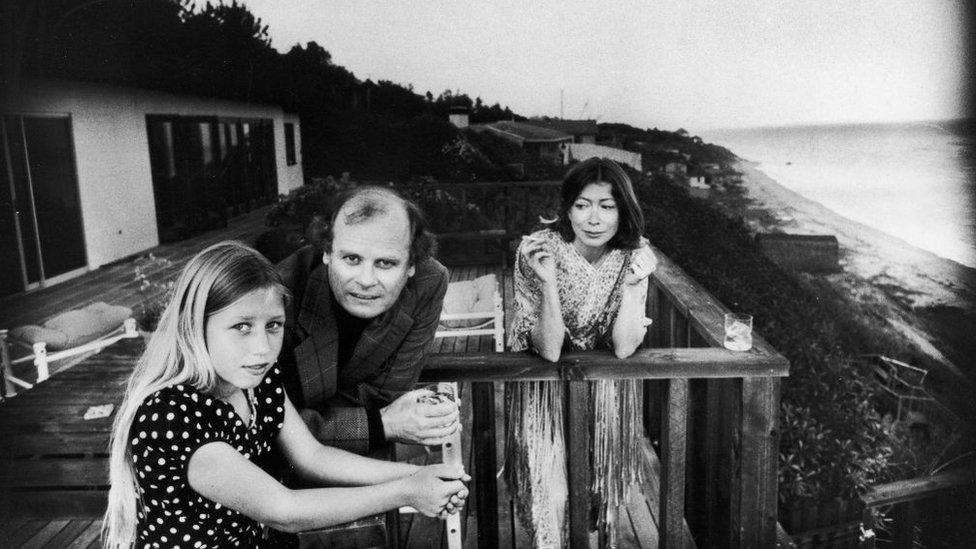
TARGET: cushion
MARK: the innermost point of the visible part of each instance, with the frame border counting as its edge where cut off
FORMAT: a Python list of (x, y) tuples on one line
[(74, 328), (469, 296)]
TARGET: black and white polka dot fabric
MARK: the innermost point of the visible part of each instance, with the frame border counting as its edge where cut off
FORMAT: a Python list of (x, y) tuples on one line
[(169, 427)]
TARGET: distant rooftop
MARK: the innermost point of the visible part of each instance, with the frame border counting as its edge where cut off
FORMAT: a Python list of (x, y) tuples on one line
[(573, 127), (530, 132)]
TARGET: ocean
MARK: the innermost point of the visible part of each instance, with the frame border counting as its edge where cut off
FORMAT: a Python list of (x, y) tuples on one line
[(915, 181)]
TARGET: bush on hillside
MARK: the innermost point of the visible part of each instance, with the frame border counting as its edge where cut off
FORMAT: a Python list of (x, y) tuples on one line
[(834, 443)]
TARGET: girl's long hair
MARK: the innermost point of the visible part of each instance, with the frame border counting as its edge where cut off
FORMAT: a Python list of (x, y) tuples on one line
[(177, 354)]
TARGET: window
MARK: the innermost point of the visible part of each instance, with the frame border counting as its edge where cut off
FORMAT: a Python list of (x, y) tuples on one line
[(290, 144)]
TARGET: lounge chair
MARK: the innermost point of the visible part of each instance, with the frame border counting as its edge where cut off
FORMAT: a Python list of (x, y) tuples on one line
[(65, 335)]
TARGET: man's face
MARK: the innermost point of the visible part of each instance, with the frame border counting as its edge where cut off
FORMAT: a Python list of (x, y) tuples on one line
[(369, 262)]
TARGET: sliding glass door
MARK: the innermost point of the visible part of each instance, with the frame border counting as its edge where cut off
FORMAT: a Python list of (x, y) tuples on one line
[(41, 232)]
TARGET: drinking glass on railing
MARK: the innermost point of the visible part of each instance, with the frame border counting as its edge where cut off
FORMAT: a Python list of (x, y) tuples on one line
[(738, 332)]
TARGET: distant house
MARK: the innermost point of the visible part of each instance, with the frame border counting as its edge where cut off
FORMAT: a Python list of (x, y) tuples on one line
[(676, 168), (459, 117), (544, 143), (698, 183), (711, 168), (698, 180), (682, 132), (583, 131), (811, 253), (94, 173), (583, 151)]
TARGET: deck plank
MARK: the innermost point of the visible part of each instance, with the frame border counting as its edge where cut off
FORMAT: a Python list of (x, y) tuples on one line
[(24, 531), (69, 533), (44, 536), (87, 537)]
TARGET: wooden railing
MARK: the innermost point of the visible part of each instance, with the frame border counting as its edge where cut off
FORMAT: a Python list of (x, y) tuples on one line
[(904, 497), (476, 222), (711, 412)]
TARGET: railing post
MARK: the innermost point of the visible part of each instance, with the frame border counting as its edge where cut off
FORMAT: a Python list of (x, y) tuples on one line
[(673, 447), (655, 338), (903, 531), (483, 438), (759, 448), (577, 446), (6, 368)]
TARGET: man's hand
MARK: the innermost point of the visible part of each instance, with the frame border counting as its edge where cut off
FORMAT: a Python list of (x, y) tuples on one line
[(417, 418)]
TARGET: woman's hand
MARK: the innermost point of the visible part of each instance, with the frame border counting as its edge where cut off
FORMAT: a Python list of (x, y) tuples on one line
[(437, 490), (539, 259), (642, 264)]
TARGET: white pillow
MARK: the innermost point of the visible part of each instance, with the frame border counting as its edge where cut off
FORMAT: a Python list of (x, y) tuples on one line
[(469, 296), (73, 328)]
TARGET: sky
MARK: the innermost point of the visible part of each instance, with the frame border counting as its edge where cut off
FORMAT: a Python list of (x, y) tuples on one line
[(700, 65)]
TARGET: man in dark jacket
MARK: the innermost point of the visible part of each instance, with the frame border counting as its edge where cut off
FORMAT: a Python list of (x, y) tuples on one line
[(359, 325)]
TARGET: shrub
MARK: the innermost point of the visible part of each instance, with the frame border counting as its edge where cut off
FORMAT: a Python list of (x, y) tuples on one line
[(834, 443), (154, 292)]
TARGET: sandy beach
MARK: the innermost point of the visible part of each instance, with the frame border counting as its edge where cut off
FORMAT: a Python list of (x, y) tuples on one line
[(878, 270)]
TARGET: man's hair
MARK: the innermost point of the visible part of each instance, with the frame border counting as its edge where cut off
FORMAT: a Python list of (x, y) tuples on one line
[(361, 204), (602, 170)]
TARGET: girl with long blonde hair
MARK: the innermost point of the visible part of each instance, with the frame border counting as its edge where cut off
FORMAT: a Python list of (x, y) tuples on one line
[(192, 439)]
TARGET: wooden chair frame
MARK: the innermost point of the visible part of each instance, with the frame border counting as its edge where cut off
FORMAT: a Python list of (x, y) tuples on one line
[(493, 325), (42, 359)]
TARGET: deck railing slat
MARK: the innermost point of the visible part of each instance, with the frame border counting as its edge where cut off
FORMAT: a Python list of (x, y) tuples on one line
[(759, 444), (578, 437), (483, 431), (673, 448)]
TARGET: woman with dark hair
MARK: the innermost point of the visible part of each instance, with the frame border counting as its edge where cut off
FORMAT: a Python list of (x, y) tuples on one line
[(579, 285)]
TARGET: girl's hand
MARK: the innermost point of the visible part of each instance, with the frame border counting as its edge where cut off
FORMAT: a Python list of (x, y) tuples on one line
[(437, 489), (454, 504), (642, 264), (534, 252)]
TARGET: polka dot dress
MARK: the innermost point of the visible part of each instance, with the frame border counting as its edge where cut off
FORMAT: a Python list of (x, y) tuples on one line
[(169, 427)]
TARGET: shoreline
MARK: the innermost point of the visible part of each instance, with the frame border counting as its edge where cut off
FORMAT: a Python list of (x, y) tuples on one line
[(926, 279), (920, 293)]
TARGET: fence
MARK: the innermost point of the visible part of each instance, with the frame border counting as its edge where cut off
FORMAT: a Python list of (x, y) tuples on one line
[(713, 411)]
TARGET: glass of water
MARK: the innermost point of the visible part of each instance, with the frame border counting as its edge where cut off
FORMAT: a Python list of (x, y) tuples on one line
[(738, 332)]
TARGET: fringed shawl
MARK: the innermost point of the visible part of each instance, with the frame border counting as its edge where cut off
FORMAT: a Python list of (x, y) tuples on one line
[(589, 299)]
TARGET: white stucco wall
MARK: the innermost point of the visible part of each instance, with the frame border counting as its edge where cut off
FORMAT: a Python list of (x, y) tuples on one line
[(108, 125), (582, 151), (289, 177)]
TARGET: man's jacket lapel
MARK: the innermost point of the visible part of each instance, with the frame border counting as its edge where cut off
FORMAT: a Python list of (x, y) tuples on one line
[(380, 340), (315, 356)]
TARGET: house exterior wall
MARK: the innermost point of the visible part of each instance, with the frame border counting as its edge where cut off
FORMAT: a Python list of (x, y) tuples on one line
[(289, 177), (582, 151), (108, 126), (460, 120), (547, 151), (675, 168)]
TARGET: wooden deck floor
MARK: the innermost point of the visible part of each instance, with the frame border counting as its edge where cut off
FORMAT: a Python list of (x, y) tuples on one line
[(115, 283)]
